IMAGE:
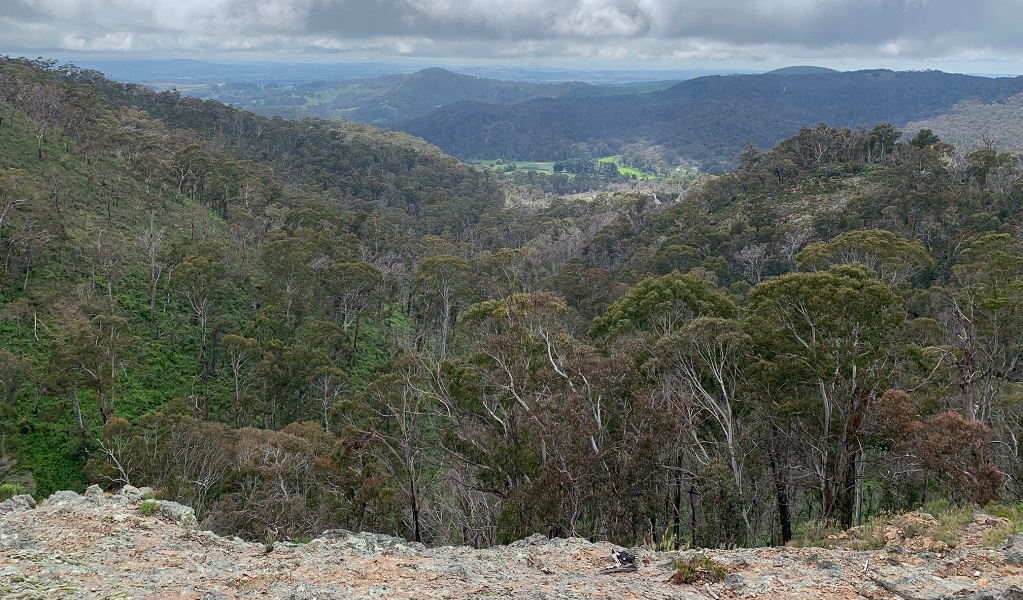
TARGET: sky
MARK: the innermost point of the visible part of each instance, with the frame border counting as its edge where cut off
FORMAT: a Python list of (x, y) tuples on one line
[(969, 36)]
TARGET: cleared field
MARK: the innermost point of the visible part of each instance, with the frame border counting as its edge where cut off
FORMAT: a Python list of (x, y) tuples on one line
[(548, 167), (629, 171), (499, 163)]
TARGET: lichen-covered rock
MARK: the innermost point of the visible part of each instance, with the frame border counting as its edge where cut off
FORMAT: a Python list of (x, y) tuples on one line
[(130, 493), (63, 497), (1013, 549), (94, 493), (179, 513), (533, 540), (84, 547), (370, 543), (19, 502)]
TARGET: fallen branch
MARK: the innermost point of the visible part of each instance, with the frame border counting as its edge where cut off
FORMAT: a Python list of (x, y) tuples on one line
[(621, 569), (891, 588)]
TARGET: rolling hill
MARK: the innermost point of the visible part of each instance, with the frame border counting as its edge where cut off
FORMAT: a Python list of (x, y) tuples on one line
[(393, 97), (705, 120)]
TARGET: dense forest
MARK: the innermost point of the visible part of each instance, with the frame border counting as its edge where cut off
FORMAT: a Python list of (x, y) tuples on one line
[(300, 325), (706, 120)]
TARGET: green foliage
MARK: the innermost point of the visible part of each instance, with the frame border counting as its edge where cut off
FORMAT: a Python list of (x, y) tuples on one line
[(661, 304), (9, 490), (293, 327), (1012, 513), (149, 507), (820, 534), (697, 569), (269, 539), (951, 520), (893, 258)]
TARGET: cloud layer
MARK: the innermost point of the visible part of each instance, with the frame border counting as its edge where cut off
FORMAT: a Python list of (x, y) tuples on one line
[(627, 30)]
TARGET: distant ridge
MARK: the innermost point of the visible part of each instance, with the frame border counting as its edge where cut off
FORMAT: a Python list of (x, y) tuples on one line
[(801, 70), (706, 120)]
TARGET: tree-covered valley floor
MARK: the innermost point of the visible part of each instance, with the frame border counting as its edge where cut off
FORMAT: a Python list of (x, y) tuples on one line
[(296, 326)]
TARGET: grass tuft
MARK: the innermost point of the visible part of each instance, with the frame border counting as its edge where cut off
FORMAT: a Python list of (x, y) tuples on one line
[(149, 507), (696, 569), (1013, 513), (10, 490)]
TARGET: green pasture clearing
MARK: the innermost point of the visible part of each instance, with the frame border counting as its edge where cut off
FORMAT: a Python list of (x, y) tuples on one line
[(629, 171), (163, 86), (536, 166), (547, 167), (322, 97)]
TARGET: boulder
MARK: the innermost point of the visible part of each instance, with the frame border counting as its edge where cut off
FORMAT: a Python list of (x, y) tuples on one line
[(131, 493), (63, 497), (19, 502), (179, 513), (94, 493), (1013, 549)]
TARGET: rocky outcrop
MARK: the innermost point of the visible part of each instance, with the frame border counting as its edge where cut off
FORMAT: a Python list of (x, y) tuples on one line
[(97, 545), (20, 502)]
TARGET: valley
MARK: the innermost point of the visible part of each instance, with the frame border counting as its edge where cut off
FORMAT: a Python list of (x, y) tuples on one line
[(296, 326)]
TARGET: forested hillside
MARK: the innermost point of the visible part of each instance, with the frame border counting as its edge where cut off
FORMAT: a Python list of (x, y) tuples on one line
[(705, 120), (999, 124), (381, 99), (295, 326)]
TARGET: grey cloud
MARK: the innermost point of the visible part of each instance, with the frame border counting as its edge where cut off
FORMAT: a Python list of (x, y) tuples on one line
[(637, 29), (822, 24)]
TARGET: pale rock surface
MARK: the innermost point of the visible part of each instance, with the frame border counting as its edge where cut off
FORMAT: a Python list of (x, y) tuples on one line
[(19, 502), (99, 546)]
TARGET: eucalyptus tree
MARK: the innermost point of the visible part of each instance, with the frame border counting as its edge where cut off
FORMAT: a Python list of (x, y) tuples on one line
[(199, 280), (683, 330), (442, 286), (837, 332), (704, 360), (894, 259), (567, 432), (981, 310)]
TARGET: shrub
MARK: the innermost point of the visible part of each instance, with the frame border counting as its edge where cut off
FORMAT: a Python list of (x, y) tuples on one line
[(149, 507), (697, 568), (950, 519), (868, 536), (10, 490), (1013, 513)]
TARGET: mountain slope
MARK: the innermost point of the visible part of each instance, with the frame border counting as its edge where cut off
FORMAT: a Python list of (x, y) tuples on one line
[(706, 120), (974, 124), (108, 190), (386, 98)]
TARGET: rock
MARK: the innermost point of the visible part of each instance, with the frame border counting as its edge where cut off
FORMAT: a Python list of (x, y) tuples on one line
[(98, 546), (1012, 593), (1013, 549), (94, 493), (533, 540), (19, 502), (130, 492), (370, 542), (63, 497), (179, 513)]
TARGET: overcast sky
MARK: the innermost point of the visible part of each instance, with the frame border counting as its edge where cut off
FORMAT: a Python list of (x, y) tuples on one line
[(977, 36)]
